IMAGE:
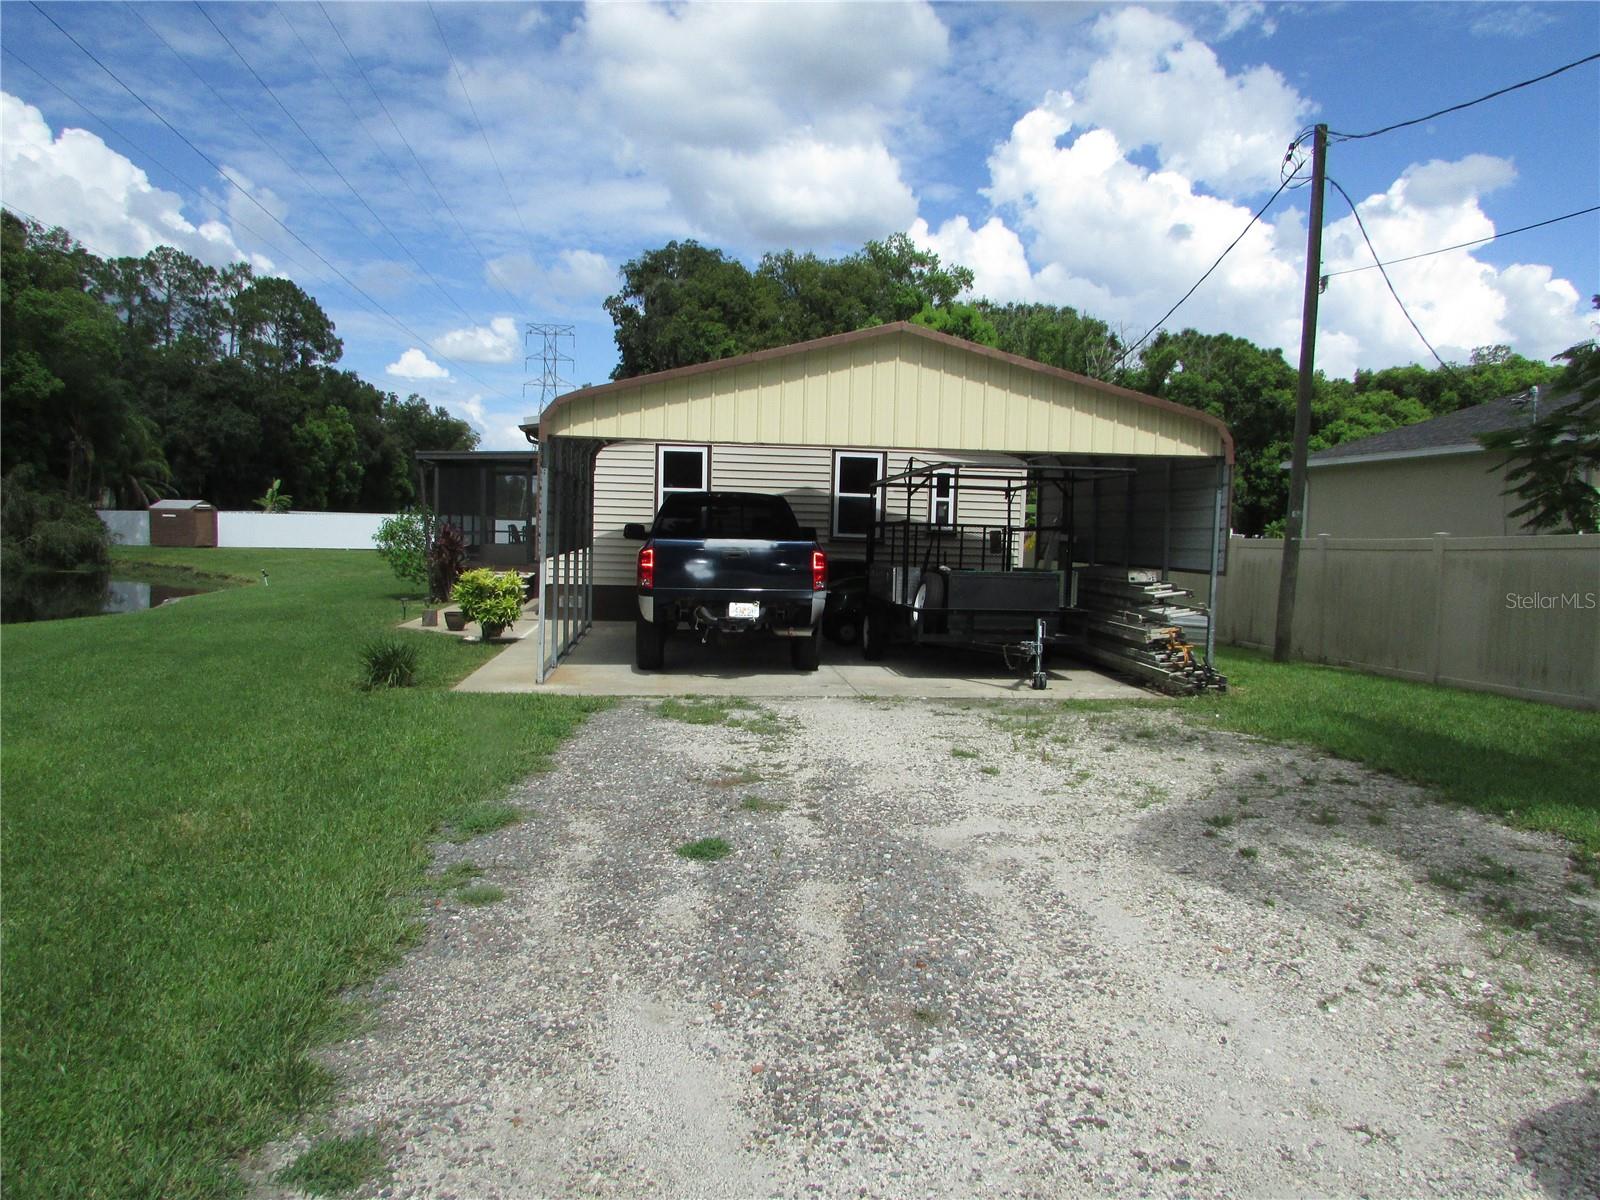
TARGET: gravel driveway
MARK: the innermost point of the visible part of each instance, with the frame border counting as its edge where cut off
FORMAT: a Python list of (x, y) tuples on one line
[(986, 950)]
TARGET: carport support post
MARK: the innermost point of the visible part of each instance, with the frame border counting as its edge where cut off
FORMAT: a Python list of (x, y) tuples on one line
[(1219, 535), (1283, 634), (544, 534)]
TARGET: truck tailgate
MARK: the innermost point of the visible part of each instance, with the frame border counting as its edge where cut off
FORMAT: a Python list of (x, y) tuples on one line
[(732, 564)]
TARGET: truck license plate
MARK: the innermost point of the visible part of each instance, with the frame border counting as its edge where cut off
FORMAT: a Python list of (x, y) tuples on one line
[(743, 610)]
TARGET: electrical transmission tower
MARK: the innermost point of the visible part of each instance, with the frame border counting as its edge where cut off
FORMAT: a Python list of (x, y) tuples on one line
[(550, 381)]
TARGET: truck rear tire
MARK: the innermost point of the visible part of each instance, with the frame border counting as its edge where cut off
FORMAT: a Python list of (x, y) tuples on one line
[(805, 652), (649, 644), (874, 632)]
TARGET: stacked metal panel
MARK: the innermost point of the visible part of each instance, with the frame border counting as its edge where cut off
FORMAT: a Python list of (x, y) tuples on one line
[(1134, 620)]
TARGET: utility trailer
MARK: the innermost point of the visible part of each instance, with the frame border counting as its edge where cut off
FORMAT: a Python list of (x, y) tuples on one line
[(935, 577)]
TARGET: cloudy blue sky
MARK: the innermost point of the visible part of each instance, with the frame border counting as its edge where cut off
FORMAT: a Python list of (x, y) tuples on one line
[(438, 177)]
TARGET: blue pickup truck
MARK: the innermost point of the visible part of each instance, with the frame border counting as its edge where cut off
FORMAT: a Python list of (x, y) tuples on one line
[(728, 563)]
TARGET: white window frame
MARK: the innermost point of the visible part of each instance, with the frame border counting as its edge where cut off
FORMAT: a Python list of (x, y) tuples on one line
[(936, 501), (876, 495), (662, 490)]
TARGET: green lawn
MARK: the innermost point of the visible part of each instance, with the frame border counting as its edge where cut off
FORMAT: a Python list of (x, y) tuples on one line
[(208, 831), (1535, 765)]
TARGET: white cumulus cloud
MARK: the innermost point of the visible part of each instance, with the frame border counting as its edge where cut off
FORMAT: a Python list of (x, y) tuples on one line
[(1458, 301), (497, 342), (803, 189), (994, 253), (73, 179), (1080, 217), (768, 123), (414, 364), (1157, 85)]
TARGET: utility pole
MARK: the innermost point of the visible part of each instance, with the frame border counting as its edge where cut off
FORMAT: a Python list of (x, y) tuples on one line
[(1295, 519)]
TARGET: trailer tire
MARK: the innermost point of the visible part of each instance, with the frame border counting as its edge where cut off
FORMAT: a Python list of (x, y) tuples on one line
[(649, 644), (875, 632)]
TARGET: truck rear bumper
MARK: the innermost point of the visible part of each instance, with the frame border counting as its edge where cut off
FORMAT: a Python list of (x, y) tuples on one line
[(784, 614)]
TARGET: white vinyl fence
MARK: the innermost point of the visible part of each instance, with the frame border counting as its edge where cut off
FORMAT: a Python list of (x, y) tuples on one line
[(280, 531), (1515, 615), (299, 530)]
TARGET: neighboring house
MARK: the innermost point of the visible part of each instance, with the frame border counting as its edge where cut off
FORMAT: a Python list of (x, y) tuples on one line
[(818, 422), (1419, 480)]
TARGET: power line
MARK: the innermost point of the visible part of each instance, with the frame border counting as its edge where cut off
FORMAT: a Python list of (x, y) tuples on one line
[(218, 168), (1463, 245), (489, 267), (1209, 269), (482, 132), (1351, 137), (1377, 262), (384, 225), (194, 190), (261, 137), (376, 145)]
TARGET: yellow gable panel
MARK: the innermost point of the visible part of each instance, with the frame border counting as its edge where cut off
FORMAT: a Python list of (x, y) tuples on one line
[(893, 386)]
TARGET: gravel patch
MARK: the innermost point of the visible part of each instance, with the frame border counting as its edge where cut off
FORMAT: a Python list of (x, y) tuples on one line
[(985, 949)]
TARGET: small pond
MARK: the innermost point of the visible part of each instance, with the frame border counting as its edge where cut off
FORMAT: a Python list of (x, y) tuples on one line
[(55, 595)]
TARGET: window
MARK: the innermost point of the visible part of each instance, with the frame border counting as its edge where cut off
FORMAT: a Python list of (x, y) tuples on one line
[(681, 469), (767, 518), (942, 500), (513, 506), (855, 502)]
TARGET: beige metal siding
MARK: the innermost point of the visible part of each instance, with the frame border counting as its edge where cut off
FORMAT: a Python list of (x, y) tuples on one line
[(897, 391)]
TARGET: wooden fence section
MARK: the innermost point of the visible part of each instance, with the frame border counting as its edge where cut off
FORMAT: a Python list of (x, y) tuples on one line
[(1514, 615)]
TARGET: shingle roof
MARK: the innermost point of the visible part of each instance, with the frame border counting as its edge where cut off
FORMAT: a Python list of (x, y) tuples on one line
[(1459, 428)]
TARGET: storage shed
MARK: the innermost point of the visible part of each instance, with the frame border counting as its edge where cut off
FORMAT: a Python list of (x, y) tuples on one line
[(183, 523), (819, 421)]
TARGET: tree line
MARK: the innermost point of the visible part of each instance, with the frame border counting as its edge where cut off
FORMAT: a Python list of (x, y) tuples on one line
[(685, 303), (128, 379)]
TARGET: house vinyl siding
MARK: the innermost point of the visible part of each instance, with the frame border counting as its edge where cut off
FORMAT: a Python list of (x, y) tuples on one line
[(1461, 494), (625, 490)]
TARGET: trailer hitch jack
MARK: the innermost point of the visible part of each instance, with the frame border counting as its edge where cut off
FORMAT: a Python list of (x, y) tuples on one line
[(1034, 650)]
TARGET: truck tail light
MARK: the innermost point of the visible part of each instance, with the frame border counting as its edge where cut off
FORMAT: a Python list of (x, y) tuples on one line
[(819, 570), (647, 568)]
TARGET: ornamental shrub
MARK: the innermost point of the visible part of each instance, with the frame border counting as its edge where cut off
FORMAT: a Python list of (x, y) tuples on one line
[(446, 557), (388, 662), (402, 540), (489, 597)]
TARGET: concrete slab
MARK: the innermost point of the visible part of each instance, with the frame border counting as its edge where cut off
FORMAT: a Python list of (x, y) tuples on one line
[(524, 627), (601, 664)]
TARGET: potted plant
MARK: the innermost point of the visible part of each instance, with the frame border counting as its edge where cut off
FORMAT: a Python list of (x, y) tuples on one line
[(491, 598)]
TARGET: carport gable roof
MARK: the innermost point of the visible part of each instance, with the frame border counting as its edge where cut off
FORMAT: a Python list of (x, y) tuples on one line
[(899, 385)]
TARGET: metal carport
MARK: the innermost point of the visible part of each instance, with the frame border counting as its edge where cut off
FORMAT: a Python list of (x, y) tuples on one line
[(898, 387)]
